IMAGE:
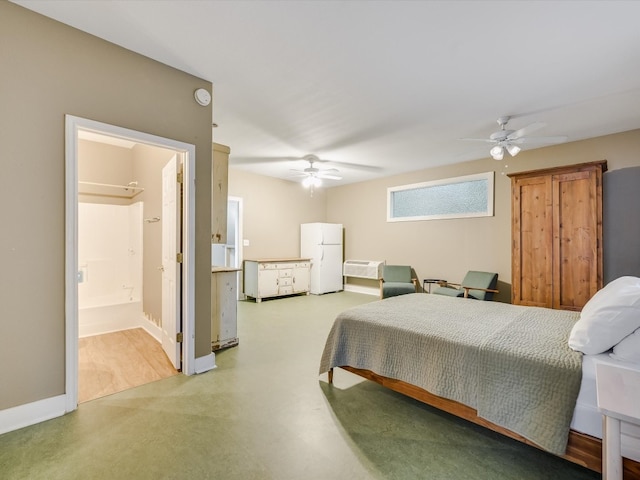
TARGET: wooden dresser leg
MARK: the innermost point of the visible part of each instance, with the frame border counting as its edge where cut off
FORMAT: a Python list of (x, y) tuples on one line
[(331, 375)]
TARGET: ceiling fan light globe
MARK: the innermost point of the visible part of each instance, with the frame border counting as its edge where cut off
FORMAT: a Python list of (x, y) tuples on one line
[(513, 150), (306, 183), (317, 182), (497, 152)]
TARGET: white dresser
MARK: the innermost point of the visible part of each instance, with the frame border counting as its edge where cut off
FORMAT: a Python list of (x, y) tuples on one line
[(224, 307), (618, 388), (264, 278)]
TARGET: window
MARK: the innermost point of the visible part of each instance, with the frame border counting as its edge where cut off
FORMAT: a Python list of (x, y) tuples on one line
[(459, 197)]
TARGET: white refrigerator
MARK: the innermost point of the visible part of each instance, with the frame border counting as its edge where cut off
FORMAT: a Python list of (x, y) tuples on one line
[(322, 243)]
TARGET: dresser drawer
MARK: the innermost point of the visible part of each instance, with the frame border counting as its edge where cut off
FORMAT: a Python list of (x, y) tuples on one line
[(285, 281), (285, 273), (267, 266), (284, 266)]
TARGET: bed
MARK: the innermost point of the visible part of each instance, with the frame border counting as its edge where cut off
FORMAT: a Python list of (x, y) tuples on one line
[(486, 362)]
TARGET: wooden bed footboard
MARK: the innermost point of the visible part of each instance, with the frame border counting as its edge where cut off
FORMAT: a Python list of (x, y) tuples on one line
[(582, 449)]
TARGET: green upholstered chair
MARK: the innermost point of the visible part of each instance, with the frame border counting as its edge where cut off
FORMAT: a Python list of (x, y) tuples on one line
[(478, 285), (397, 280)]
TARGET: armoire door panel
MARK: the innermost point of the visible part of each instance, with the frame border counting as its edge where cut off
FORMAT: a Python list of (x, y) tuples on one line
[(532, 242), (575, 240)]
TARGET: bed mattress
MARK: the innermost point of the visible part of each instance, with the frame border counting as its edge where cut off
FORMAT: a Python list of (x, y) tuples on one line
[(586, 417)]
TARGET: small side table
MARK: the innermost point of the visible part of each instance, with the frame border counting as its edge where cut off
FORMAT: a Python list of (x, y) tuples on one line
[(427, 282), (618, 390)]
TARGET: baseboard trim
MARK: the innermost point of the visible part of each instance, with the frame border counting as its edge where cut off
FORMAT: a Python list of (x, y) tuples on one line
[(206, 363), (362, 289), (151, 328), (31, 413)]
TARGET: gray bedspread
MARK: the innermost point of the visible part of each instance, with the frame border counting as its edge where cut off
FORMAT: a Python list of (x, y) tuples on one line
[(511, 363)]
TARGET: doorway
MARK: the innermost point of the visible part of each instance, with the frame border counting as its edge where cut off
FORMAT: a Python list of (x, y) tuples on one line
[(128, 209), (182, 301), (230, 253)]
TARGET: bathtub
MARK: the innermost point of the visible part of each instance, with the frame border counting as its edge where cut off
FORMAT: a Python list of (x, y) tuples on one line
[(109, 313)]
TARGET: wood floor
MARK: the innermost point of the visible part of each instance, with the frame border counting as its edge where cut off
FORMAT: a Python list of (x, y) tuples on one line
[(118, 361)]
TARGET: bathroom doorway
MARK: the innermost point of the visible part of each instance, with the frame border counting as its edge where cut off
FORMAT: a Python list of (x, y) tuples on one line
[(108, 197), (121, 225)]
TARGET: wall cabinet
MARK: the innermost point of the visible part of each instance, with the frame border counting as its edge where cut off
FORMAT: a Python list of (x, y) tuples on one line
[(276, 277), (557, 235), (224, 307), (219, 189)]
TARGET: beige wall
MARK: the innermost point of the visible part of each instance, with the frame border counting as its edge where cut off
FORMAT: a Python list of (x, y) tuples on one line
[(273, 212), (274, 209), (436, 248), (49, 70), (103, 163), (448, 248)]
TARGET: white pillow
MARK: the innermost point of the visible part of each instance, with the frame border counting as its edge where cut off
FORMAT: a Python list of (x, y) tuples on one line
[(628, 350), (610, 315)]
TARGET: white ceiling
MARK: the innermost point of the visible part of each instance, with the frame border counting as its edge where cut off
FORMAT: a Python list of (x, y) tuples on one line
[(384, 87)]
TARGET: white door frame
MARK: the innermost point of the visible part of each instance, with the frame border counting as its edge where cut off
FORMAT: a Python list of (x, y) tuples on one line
[(239, 242), (188, 151)]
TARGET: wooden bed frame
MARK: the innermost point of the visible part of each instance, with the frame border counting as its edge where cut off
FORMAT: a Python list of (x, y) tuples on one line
[(582, 449)]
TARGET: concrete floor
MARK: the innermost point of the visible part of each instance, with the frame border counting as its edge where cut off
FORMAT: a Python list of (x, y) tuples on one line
[(264, 413)]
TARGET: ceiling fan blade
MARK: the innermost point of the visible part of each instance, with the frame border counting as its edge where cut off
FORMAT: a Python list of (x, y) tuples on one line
[(556, 139), (329, 170), (525, 130), (348, 165), (328, 177), (486, 140)]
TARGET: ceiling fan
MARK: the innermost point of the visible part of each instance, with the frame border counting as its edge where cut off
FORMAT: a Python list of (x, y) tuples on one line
[(313, 176), (510, 140)]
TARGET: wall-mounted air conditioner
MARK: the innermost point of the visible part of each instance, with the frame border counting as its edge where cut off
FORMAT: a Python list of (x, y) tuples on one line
[(363, 269)]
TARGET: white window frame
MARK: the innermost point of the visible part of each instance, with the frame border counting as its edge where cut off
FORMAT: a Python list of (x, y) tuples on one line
[(486, 176)]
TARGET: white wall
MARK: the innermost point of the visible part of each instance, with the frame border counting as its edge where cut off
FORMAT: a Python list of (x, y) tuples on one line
[(110, 264)]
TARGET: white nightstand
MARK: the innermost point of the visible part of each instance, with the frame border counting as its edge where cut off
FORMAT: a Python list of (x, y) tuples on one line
[(618, 389)]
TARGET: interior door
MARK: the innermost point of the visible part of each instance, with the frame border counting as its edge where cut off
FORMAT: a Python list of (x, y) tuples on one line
[(171, 319)]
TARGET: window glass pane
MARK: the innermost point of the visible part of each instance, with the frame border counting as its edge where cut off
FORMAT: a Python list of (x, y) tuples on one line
[(469, 196)]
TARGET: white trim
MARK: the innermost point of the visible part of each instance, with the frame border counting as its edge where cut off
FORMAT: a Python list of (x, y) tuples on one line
[(71, 264), (32, 413), (72, 126), (239, 247), (362, 289), (151, 328), (189, 260), (240, 232), (206, 363)]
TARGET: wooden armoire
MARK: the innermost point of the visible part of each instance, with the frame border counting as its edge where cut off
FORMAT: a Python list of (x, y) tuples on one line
[(557, 235)]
